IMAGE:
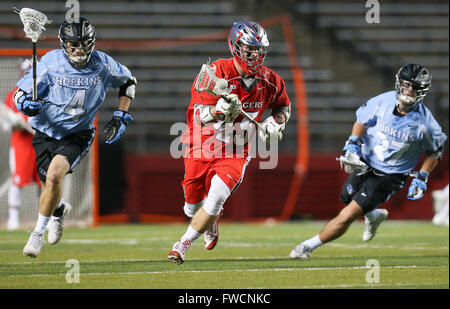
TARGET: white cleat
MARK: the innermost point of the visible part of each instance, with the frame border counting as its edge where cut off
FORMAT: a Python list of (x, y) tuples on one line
[(440, 220), (371, 228), (178, 252), (211, 236), (34, 245), (56, 225), (302, 251), (439, 200)]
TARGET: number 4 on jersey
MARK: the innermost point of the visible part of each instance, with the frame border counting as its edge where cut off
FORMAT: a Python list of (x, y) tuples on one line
[(76, 105)]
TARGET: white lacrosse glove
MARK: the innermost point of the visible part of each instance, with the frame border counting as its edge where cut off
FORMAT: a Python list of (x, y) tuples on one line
[(271, 130), (350, 159), (229, 108)]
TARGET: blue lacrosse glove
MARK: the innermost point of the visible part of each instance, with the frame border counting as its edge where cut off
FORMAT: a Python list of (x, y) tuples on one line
[(27, 106), (116, 126), (418, 186), (353, 144)]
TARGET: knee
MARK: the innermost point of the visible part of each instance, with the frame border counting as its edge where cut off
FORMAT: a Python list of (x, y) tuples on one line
[(53, 179), (347, 216), (58, 168), (217, 195), (191, 209)]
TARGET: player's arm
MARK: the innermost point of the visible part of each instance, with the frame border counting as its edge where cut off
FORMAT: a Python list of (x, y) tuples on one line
[(115, 128), (419, 184), (226, 109), (25, 104)]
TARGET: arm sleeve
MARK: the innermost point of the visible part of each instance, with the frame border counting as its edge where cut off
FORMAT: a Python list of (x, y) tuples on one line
[(433, 137), (366, 114), (280, 98)]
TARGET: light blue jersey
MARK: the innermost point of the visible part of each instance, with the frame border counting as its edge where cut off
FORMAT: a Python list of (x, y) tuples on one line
[(393, 144), (72, 97)]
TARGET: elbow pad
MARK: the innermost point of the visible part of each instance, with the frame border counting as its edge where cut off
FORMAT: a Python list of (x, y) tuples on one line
[(286, 110), (128, 89)]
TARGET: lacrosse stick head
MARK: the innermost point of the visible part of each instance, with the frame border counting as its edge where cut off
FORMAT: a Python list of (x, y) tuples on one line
[(208, 81), (352, 163), (33, 22)]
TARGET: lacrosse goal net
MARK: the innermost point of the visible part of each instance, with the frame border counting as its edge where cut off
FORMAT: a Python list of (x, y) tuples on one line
[(80, 188)]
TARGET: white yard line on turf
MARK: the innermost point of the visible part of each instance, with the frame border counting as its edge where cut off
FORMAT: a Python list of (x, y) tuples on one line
[(229, 270)]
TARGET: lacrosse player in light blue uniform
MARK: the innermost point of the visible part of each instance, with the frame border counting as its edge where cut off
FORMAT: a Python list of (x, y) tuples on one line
[(388, 137), (71, 85)]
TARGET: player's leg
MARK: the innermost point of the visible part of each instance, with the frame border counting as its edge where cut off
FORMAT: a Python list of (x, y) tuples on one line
[(202, 220), (51, 194), (220, 188), (334, 229), (232, 172), (51, 198), (194, 194), (73, 147), (14, 202), (364, 194), (14, 192), (22, 164), (441, 206), (52, 166)]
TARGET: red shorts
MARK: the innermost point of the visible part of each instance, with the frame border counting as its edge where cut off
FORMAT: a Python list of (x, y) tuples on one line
[(22, 161), (199, 172)]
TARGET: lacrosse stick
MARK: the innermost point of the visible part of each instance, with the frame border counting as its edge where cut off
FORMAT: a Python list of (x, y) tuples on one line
[(352, 163), (8, 116), (33, 26), (208, 81)]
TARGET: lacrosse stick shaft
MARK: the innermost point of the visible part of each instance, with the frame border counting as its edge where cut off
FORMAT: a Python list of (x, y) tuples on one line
[(34, 73), (247, 116), (256, 123)]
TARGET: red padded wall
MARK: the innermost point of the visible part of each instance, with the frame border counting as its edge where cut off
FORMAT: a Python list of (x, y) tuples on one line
[(153, 188)]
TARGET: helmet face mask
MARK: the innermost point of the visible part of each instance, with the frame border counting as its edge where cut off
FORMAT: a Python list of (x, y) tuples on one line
[(247, 42), (412, 84), (77, 41)]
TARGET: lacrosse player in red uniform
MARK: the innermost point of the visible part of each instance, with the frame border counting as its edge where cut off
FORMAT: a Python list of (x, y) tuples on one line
[(216, 156), (22, 158)]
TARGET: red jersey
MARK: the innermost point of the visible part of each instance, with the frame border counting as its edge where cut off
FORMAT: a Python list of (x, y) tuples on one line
[(268, 90), (22, 155), (17, 134)]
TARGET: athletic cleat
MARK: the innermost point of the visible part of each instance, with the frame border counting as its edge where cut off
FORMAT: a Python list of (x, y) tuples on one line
[(211, 236), (370, 228), (56, 225), (439, 200), (178, 252), (34, 245), (302, 251)]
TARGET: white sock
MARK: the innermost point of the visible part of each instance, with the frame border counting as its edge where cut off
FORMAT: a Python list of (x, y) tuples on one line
[(191, 234), (13, 213), (372, 215), (41, 224), (314, 242)]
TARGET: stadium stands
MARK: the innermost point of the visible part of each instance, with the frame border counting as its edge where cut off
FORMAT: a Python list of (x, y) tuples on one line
[(408, 32), (344, 59)]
